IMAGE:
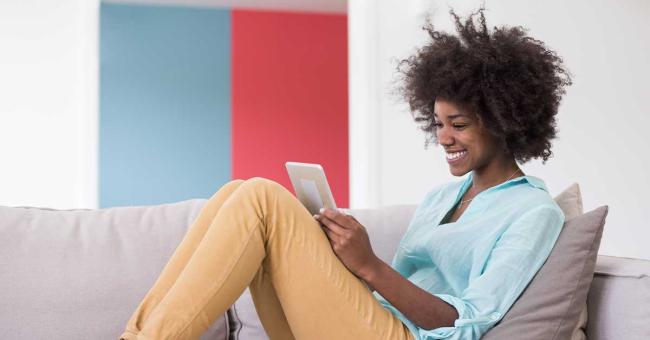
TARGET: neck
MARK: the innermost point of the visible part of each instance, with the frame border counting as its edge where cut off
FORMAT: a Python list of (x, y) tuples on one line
[(495, 173)]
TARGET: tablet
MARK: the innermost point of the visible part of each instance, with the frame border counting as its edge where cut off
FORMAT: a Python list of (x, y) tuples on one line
[(311, 186)]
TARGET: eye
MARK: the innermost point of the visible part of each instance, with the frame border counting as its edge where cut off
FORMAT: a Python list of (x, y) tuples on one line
[(437, 125), (460, 126)]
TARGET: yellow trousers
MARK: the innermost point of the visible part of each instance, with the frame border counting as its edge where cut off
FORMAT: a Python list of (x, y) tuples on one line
[(255, 233)]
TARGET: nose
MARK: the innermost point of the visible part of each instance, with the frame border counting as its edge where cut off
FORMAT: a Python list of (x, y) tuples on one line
[(445, 136)]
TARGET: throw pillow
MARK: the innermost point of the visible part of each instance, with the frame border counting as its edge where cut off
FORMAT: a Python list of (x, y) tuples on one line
[(570, 201), (551, 305)]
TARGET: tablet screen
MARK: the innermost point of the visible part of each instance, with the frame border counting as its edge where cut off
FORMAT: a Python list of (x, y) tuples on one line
[(311, 186), (310, 190)]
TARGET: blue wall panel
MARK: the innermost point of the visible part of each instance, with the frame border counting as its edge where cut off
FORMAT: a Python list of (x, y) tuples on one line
[(164, 132)]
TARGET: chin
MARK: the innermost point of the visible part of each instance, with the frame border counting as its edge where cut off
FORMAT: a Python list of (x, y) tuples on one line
[(458, 172)]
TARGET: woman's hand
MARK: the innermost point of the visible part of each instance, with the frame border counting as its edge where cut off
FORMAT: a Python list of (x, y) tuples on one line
[(349, 241)]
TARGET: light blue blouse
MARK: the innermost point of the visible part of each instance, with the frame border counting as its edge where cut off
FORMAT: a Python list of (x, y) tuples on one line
[(482, 262)]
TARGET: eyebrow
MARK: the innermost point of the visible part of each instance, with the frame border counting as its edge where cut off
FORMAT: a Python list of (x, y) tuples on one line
[(452, 116)]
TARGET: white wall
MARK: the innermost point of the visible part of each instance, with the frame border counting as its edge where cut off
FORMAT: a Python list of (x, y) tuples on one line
[(48, 103), (602, 122)]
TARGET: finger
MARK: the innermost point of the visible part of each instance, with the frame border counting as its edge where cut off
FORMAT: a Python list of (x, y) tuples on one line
[(330, 234), (352, 217), (331, 225), (340, 218)]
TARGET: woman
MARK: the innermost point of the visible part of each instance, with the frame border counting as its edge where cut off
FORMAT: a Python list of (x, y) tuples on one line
[(472, 246)]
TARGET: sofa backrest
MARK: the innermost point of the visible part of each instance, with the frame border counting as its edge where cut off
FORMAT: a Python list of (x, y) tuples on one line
[(619, 299), (385, 226), (80, 274)]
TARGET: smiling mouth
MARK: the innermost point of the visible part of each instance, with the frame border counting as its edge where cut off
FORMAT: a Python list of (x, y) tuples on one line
[(454, 157)]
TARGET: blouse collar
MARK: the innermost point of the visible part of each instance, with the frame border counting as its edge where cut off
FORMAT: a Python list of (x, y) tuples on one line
[(531, 180)]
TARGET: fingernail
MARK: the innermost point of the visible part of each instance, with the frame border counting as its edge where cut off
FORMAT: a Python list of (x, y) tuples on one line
[(322, 210)]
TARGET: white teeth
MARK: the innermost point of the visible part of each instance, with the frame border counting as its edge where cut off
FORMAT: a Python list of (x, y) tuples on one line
[(455, 155)]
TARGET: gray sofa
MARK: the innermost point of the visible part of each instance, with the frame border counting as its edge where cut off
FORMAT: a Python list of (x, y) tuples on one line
[(79, 274)]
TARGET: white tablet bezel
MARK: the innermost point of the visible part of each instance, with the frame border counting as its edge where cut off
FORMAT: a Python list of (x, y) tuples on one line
[(299, 172)]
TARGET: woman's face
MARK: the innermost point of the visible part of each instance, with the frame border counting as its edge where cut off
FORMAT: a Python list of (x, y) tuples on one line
[(468, 145)]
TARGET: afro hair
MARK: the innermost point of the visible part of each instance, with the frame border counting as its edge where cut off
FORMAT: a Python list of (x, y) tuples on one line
[(512, 82)]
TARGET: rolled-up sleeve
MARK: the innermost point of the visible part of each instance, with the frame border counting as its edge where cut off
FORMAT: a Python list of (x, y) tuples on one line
[(518, 254)]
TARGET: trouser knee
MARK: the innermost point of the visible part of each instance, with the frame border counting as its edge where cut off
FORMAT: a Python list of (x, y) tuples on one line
[(264, 182)]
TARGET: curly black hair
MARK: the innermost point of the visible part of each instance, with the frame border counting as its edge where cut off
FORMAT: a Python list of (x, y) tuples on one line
[(512, 82)]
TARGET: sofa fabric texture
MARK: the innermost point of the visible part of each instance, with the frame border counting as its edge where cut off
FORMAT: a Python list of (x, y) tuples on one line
[(619, 299), (79, 274)]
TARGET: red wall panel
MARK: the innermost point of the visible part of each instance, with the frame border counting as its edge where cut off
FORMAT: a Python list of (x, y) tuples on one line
[(290, 95)]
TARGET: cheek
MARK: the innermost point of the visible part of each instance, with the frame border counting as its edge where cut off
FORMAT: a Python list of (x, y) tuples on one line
[(469, 141), (483, 142), (486, 149), (476, 147)]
